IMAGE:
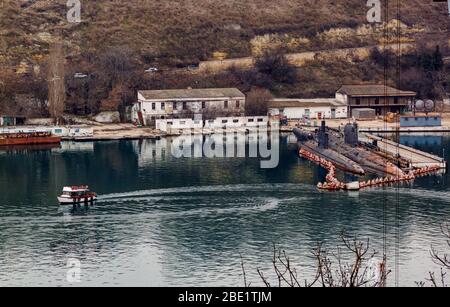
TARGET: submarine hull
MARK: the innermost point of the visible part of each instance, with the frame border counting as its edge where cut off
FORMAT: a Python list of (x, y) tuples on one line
[(369, 161), (337, 159)]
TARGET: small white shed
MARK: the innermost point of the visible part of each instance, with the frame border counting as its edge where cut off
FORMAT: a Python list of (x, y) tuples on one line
[(296, 109)]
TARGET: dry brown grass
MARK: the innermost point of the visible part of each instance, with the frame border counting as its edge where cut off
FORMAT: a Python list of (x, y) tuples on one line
[(168, 33), (181, 31)]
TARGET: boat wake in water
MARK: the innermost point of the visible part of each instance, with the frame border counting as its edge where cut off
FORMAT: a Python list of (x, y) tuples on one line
[(210, 189), (204, 200)]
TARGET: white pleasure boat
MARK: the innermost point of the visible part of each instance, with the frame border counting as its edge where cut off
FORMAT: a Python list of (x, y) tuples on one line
[(76, 195)]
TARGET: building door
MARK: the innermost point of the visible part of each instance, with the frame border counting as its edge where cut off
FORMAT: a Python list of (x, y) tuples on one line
[(141, 118), (333, 113), (307, 113)]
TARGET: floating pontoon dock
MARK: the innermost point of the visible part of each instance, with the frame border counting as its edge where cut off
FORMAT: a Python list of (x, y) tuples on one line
[(416, 158)]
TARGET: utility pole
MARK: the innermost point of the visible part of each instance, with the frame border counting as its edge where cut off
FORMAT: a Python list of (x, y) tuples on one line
[(56, 85)]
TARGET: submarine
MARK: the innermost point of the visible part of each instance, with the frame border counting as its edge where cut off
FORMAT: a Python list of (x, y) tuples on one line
[(345, 151), (349, 145), (319, 146)]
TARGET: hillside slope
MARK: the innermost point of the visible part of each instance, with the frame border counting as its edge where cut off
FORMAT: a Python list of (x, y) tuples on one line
[(183, 31), (117, 40)]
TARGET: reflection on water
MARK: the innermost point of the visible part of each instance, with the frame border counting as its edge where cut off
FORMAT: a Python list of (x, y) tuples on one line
[(257, 144), (167, 221)]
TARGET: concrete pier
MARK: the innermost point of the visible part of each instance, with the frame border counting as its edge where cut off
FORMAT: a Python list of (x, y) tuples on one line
[(417, 158)]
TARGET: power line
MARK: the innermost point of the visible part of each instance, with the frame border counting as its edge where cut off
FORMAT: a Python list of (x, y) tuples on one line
[(397, 208), (385, 67)]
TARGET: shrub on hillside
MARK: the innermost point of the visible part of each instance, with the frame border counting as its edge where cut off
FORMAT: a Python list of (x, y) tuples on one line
[(257, 100), (274, 63)]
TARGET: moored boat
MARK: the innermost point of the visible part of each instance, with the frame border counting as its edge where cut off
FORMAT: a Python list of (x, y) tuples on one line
[(29, 138), (76, 195)]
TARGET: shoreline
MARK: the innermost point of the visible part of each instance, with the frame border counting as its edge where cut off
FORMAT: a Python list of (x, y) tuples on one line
[(376, 126), (386, 131), (126, 131)]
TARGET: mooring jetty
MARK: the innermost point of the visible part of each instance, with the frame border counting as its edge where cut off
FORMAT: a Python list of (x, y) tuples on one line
[(360, 154), (416, 158)]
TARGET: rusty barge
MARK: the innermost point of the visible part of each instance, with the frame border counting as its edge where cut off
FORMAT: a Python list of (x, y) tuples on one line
[(29, 138)]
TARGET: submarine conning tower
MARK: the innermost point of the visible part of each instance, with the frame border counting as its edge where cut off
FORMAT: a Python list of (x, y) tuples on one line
[(351, 134), (322, 135)]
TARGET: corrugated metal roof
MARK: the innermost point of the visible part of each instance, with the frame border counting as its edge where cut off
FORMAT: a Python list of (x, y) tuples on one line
[(363, 109), (373, 90), (304, 103), (209, 93)]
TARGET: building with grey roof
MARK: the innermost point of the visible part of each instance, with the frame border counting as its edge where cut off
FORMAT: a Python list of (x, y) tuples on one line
[(381, 98), (188, 103)]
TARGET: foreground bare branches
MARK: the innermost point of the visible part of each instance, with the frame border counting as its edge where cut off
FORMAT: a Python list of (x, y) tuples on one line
[(354, 266), (363, 270), (442, 260)]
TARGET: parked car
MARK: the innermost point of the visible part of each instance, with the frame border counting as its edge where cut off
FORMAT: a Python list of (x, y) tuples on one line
[(152, 69), (80, 75)]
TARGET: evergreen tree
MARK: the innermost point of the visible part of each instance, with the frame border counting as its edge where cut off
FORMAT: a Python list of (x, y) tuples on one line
[(438, 62), (427, 61)]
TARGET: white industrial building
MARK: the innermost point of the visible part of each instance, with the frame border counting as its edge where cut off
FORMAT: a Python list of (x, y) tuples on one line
[(187, 103), (296, 109), (220, 123)]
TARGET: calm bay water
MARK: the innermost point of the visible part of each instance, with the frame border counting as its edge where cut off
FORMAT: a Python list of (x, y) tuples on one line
[(162, 221)]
